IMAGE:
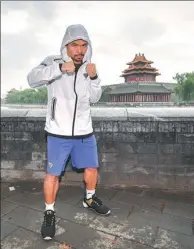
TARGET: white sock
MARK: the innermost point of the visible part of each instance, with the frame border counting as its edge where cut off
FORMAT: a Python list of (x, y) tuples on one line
[(89, 193), (50, 206)]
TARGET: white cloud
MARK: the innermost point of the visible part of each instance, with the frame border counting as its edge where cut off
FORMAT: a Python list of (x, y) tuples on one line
[(15, 79), (14, 22), (163, 31)]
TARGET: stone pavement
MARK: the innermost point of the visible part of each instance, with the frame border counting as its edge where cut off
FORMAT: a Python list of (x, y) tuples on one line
[(137, 221)]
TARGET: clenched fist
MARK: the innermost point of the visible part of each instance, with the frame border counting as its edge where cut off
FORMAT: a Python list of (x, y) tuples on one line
[(91, 70), (68, 67)]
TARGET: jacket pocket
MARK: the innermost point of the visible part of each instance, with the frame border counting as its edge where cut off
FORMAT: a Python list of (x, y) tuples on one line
[(53, 106)]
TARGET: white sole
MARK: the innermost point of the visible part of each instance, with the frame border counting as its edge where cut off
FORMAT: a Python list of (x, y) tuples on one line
[(47, 238), (86, 206)]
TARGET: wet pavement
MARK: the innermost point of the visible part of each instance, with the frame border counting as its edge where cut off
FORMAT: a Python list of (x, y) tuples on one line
[(137, 221)]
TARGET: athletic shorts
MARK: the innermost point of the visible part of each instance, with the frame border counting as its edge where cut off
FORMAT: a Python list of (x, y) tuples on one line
[(83, 153)]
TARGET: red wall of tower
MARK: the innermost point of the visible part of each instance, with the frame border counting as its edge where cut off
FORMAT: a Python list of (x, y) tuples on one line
[(141, 98), (140, 78)]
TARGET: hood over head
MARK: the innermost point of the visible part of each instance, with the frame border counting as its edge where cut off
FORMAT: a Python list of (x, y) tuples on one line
[(76, 32)]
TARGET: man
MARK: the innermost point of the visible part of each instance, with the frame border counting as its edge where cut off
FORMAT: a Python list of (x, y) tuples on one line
[(72, 83)]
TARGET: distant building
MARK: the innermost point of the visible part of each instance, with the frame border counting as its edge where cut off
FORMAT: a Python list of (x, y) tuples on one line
[(140, 69), (140, 84)]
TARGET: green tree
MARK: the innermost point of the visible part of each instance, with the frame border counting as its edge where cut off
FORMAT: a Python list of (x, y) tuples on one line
[(185, 86), (27, 96)]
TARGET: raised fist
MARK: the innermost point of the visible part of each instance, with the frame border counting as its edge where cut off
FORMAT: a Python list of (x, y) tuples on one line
[(91, 70), (68, 67)]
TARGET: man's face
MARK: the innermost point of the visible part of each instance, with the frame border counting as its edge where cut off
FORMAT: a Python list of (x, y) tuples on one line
[(76, 50)]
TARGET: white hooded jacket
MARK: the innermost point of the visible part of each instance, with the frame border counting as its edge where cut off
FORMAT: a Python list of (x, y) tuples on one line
[(69, 94)]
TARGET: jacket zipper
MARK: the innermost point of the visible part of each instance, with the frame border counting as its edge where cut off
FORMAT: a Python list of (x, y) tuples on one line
[(53, 108), (75, 108), (76, 99)]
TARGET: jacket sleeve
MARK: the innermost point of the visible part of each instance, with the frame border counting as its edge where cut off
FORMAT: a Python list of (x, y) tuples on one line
[(95, 90), (43, 74)]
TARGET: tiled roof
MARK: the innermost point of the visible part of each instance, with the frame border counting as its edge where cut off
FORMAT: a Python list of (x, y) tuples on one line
[(140, 72), (145, 66), (136, 67), (149, 87), (139, 58)]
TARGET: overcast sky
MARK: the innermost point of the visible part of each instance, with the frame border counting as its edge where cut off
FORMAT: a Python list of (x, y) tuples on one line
[(32, 30)]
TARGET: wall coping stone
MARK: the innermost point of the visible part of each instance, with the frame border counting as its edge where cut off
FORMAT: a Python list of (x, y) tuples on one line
[(114, 113)]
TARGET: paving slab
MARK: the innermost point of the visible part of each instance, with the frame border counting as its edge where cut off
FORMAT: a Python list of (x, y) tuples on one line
[(70, 194), (138, 200), (30, 186), (6, 229), (180, 209), (119, 212), (30, 200), (101, 241), (24, 239), (5, 191), (75, 214), (106, 241), (46, 245), (7, 207), (140, 231), (27, 218), (142, 203), (138, 190), (74, 234), (170, 240), (171, 195), (105, 193), (136, 221), (165, 221)]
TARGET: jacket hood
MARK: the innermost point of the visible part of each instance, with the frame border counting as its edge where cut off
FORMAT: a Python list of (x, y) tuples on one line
[(76, 32)]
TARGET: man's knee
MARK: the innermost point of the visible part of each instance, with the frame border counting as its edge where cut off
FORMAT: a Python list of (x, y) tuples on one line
[(51, 178), (91, 171)]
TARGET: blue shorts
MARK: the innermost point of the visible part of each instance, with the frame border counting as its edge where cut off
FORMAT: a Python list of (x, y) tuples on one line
[(83, 153)]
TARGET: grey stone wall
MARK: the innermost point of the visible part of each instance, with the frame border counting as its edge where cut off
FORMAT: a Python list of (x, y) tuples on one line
[(147, 147)]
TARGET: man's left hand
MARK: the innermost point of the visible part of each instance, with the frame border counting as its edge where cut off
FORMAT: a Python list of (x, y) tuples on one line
[(91, 70)]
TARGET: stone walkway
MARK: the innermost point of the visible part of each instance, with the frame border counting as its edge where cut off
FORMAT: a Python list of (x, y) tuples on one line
[(137, 221)]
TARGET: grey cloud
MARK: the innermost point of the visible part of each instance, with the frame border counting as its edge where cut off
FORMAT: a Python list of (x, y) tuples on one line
[(19, 49), (171, 51), (137, 33), (36, 9), (13, 5), (109, 48), (45, 9), (184, 10), (140, 31)]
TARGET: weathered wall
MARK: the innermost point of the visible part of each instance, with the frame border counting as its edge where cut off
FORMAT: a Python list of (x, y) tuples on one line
[(146, 147)]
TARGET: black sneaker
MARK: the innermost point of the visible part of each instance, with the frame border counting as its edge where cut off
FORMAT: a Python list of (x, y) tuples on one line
[(96, 204), (48, 226)]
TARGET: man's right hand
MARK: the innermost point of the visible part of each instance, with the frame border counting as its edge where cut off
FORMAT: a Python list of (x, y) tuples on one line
[(68, 67)]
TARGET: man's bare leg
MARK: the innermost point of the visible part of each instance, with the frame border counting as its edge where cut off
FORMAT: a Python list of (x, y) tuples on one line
[(91, 200), (91, 178), (51, 186)]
